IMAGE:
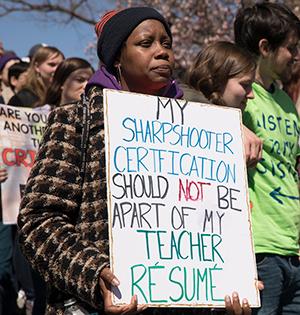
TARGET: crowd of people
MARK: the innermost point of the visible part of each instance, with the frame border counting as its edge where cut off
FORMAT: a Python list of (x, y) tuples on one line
[(42, 77), (63, 212)]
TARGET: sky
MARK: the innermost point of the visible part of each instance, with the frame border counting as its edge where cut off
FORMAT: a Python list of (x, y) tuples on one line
[(19, 32)]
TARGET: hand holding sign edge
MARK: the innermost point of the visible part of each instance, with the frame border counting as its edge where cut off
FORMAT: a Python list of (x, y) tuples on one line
[(107, 280)]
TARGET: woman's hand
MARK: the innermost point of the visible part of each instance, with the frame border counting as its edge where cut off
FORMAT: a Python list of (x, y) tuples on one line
[(3, 175), (253, 147), (234, 307), (107, 280)]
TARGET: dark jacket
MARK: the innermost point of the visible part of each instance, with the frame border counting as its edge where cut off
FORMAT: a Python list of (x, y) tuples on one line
[(24, 98), (63, 217)]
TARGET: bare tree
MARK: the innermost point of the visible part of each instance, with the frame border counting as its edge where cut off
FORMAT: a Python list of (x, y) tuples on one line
[(86, 11), (194, 23)]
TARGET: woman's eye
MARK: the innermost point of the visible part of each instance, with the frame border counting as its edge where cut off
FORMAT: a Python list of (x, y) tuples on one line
[(81, 80), (167, 44), (246, 85), (146, 43)]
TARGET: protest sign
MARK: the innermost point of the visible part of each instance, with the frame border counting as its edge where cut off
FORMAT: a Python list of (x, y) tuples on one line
[(21, 130), (179, 221)]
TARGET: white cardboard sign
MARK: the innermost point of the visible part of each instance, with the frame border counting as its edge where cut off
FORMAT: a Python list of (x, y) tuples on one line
[(21, 130), (179, 221)]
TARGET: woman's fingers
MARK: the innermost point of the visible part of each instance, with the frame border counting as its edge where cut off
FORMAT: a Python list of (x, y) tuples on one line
[(253, 146), (109, 277), (246, 307), (260, 285), (234, 307), (129, 309), (3, 175)]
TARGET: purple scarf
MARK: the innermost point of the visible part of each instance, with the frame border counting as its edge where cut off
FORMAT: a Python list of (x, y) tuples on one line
[(104, 79)]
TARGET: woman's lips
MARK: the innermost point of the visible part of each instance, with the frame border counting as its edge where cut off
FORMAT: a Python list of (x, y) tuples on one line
[(163, 70)]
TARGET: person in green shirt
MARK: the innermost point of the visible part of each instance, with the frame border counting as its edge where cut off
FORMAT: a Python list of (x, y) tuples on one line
[(271, 32)]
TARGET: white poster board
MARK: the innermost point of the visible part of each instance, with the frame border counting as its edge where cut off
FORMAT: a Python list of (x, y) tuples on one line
[(21, 130), (179, 221)]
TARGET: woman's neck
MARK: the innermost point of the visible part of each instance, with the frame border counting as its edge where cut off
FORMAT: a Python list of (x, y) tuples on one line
[(126, 86)]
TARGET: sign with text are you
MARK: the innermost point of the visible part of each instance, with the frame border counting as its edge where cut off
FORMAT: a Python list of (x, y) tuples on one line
[(21, 131), (179, 221)]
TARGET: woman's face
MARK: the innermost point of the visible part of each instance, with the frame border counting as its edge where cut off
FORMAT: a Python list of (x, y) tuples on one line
[(47, 68), (74, 85), (238, 90), (146, 60)]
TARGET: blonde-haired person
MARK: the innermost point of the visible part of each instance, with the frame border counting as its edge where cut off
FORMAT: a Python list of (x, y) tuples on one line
[(40, 73), (39, 76)]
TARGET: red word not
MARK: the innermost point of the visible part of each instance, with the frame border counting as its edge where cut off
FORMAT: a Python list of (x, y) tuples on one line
[(18, 157), (192, 190)]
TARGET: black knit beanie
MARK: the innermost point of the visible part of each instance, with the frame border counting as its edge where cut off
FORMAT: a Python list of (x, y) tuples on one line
[(117, 29)]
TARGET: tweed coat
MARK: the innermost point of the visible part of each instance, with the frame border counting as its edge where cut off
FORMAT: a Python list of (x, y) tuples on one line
[(63, 218), (63, 215)]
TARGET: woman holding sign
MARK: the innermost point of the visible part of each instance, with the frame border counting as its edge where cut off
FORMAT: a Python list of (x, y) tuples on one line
[(63, 219)]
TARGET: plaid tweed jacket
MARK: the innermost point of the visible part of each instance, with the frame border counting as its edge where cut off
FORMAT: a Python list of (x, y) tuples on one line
[(63, 218)]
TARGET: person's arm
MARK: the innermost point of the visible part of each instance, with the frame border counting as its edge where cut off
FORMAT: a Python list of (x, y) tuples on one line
[(253, 147), (51, 223)]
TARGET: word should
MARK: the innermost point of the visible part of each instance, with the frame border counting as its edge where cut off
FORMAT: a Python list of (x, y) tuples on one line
[(139, 186)]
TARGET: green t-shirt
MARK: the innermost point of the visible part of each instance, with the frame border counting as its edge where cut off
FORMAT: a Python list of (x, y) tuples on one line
[(273, 184)]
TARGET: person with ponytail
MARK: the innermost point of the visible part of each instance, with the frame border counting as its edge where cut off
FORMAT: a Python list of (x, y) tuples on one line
[(224, 73)]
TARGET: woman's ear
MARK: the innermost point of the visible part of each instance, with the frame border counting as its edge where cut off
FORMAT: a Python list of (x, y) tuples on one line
[(117, 64), (264, 47), (13, 81), (37, 67), (117, 61)]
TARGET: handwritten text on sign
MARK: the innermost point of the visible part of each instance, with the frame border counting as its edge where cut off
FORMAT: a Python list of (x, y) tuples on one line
[(21, 130), (177, 201)]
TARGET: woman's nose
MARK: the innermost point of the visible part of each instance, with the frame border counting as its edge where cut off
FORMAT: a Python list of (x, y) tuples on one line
[(162, 52)]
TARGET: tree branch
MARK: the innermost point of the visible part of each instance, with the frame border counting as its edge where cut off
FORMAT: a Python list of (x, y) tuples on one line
[(71, 11)]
